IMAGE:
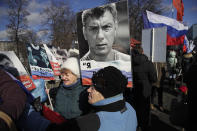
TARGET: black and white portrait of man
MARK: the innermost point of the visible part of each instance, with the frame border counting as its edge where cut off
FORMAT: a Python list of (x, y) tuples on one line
[(104, 39), (100, 29)]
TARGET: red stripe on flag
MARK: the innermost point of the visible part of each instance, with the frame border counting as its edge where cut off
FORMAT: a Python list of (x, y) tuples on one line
[(184, 48), (178, 4), (87, 81), (130, 84), (175, 41), (42, 77)]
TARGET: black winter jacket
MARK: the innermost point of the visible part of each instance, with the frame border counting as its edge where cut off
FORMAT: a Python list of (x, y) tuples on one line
[(144, 74)]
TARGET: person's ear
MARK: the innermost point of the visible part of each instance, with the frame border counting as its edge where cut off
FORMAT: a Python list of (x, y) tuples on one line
[(116, 28), (84, 33)]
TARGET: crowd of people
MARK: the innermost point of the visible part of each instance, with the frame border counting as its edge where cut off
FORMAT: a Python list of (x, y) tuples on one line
[(102, 104), (105, 98), (105, 105)]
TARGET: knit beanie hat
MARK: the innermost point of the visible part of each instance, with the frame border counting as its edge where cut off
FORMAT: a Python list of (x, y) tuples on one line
[(72, 64), (109, 81)]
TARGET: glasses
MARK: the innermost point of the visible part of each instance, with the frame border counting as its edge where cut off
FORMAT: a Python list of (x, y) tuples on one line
[(64, 74)]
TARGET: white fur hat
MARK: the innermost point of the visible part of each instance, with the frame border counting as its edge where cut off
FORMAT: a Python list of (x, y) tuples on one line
[(72, 65)]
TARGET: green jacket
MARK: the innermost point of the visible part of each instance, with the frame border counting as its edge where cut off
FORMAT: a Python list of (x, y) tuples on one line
[(71, 101)]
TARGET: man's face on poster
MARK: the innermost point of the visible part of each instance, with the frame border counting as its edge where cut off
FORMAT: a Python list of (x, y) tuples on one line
[(100, 33), (7, 63), (9, 67)]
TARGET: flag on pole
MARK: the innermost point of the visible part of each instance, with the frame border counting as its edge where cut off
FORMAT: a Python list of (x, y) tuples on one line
[(188, 45), (178, 4), (176, 31)]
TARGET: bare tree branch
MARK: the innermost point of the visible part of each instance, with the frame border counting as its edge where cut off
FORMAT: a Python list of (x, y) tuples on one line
[(61, 21), (17, 20)]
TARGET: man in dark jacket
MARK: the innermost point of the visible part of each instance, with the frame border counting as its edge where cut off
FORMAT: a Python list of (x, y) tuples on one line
[(191, 81), (144, 74)]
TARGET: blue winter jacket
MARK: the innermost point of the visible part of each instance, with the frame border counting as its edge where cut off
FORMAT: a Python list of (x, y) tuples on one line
[(112, 114), (118, 120)]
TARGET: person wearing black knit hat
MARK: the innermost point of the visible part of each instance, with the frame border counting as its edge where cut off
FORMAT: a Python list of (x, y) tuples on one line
[(109, 81), (106, 96)]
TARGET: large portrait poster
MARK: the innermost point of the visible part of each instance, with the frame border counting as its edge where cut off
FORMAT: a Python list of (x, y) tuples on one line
[(39, 62), (10, 61), (104, 40)]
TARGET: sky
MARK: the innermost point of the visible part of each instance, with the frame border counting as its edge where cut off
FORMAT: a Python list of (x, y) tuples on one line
[(36, 6), (190, 11)]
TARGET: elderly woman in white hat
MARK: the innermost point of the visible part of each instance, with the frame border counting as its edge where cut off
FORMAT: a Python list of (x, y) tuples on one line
[(70, 97)]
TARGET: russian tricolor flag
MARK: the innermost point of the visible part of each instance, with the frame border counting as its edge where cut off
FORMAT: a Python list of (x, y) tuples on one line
[(176, 31), (93, 66)]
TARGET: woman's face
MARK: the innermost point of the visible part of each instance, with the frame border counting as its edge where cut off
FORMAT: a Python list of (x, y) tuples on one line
[(68, 77)]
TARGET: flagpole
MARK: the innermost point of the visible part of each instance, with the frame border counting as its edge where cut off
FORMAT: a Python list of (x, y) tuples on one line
[(49, 98), (172, 11), (153, 44)]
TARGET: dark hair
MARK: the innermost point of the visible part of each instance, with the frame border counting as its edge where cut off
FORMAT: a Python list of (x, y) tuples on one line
[(3, 56), (98, 12), (11, 70), (137, 50)]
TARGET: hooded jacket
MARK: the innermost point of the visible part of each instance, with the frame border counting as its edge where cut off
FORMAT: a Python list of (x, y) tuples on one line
[(144, 74)]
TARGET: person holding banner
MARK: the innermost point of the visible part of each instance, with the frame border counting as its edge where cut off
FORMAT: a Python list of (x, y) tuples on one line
[(112, 113), (100, 29), (70, 97)]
